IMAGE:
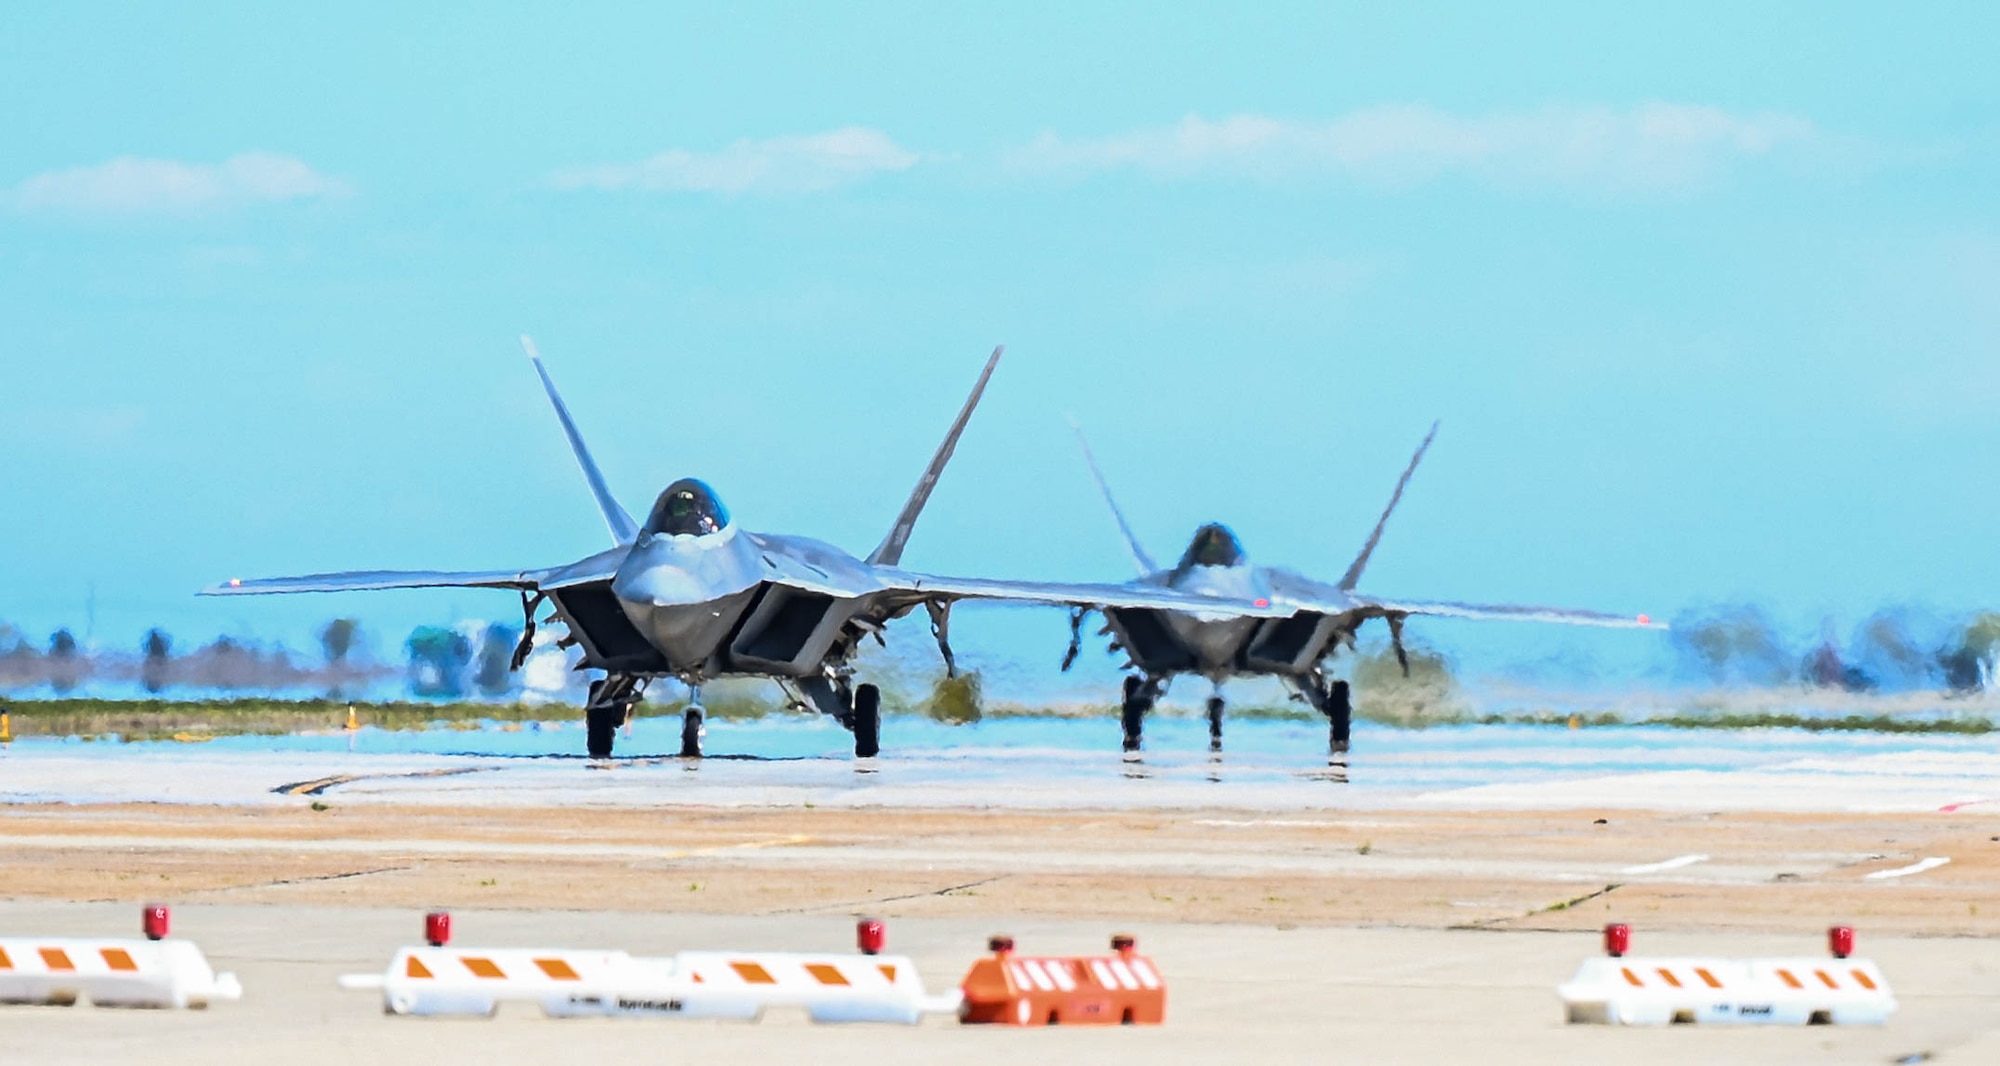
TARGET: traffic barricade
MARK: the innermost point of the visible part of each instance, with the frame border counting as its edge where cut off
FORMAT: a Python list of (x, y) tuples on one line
[(156, 972), (441, 980), (1005, 988), (1625, 990)]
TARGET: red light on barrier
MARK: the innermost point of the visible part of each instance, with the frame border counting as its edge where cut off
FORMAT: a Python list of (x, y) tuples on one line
[(154, 919), (1617, 939), (1000, 945), (1840, 941), (870, 935), (437, 928), (1124, 943)]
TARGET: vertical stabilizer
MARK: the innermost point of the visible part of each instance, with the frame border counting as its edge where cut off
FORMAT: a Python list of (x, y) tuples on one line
[(890, 551), (1139, 557), (1353, 575), (623, 529)]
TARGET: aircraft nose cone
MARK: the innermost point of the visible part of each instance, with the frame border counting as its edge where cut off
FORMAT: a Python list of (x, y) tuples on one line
[(659, 585)]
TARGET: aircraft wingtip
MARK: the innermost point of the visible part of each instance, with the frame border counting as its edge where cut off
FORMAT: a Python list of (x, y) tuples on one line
[(528, 345)]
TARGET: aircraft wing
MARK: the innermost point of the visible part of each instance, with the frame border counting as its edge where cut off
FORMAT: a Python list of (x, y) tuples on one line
[(1077, 594), (598, 567), (1509, 612)]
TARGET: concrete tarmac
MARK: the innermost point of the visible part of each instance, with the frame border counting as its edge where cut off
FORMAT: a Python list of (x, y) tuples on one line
[(1423, 911), (1237, 994)]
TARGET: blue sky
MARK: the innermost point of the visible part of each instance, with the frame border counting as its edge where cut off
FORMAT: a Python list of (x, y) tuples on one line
[(1705, 297)]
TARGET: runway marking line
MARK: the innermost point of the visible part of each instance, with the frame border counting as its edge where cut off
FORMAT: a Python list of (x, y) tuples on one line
[(1918, 867), (1663, 866)]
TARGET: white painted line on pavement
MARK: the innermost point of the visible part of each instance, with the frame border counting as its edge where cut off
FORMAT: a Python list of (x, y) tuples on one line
[(1663, 866), (1931, 863)]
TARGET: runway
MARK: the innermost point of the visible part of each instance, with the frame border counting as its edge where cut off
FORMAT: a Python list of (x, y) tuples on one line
[(1427, 904), (1034, 764)]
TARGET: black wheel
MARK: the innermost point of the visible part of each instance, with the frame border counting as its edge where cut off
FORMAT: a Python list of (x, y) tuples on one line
[(1132, 714), (1215, 723), (691, 733), (601, 725), (1340, 716), (867, 721)]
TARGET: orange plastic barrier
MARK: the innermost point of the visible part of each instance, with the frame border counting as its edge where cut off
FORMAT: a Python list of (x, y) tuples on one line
[(1122, 988)]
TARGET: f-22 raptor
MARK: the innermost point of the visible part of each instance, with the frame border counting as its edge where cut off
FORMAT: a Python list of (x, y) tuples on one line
[(1299, 623), (693, 596)]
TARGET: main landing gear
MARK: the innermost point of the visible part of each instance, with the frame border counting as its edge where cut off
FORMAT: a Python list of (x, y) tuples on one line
[(1138, 703), (867, 721), (857, 708), (610, 706), (1337, 703)]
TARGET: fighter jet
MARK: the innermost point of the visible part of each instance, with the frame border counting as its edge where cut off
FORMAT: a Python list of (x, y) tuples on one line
[(1299, 625), (693, 596)]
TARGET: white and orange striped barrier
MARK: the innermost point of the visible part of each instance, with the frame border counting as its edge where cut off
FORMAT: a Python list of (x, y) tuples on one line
[(1008, 989), (1620, 990), (155, 972), (439, 980)]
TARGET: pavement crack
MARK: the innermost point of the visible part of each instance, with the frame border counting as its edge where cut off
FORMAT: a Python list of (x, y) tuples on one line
[(927, 894), (1553, 908), (342, 876), (1568, 903)]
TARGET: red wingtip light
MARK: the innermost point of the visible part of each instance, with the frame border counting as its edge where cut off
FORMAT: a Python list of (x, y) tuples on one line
[(1260, 602), (437, 928), (236, 582), (869, 936), (1617, 939), (1645, 619), (154, 920)]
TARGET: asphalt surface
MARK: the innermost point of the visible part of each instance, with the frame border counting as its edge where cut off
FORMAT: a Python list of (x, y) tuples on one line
[(1236, 994)]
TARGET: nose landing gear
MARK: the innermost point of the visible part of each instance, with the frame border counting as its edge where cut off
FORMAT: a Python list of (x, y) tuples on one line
[(691, 729)]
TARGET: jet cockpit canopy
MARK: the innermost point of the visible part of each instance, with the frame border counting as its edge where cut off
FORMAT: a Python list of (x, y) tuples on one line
[(688, 508), (1213, 545)]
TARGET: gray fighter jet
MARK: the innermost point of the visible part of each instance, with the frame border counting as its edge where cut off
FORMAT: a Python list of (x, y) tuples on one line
[(1299, 624), (693, 596)]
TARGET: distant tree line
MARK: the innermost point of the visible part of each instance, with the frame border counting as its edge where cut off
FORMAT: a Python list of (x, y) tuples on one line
[(1897, 649)]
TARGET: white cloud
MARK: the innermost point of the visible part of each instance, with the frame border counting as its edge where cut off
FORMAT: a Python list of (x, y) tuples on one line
[(129, 185), (780, 164), (1650, 147)]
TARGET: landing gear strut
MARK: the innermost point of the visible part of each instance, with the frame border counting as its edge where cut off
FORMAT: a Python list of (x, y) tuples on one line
[(610, 705), (1215, 706)]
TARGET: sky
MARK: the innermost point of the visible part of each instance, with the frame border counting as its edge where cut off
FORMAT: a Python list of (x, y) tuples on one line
[(1705, 297)]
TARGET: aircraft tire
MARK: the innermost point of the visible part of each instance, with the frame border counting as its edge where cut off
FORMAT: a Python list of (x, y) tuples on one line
[(867, 721), (691, 733), (1133, 717), (1132, 714), (1215, 706), (601, 729), (1340, 715)]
